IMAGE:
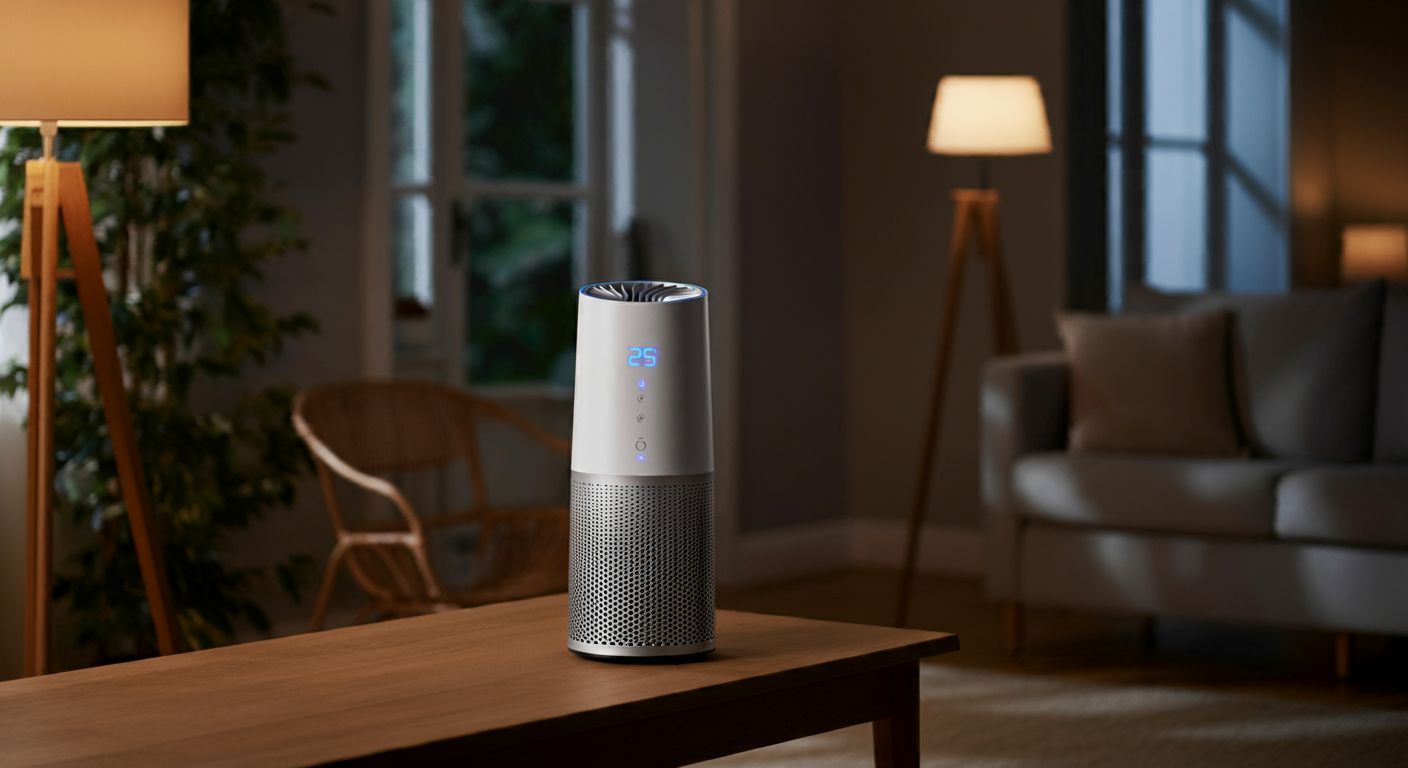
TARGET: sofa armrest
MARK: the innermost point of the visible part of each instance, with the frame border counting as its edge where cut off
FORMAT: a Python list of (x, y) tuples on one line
[(1024, 410)]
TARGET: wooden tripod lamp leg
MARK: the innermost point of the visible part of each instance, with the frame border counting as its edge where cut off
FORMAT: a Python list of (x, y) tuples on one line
[(39, 255), (963, 218), (974, 217), (88, 271), (1004, 324)]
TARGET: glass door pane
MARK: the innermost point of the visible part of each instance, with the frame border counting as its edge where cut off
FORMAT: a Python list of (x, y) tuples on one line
[(411, 246), (1114, 201), (520, 102), (523, 306), (410, 91), (412, 256), (1257, 170), (524, 197), (1175, 219), (1176, 69)]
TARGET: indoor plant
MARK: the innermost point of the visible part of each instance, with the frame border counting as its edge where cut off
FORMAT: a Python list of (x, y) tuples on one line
[(186, 218)]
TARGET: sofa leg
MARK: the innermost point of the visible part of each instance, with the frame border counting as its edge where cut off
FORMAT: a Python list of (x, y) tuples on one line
[(1344, 655), (1013, 628), (1148, 634)]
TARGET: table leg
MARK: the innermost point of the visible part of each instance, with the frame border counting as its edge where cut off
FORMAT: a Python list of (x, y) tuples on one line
[(897, 736)]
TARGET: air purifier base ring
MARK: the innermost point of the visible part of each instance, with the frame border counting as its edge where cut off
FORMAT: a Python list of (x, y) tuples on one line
[(641, 652)]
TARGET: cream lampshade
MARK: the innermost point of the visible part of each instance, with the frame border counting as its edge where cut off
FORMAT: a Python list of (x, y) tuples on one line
[(1375, 250), (86, 63), (989, 115)]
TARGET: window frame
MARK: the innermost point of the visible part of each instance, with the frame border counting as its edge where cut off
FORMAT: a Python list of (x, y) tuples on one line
[(435, 346), (1103, 260)]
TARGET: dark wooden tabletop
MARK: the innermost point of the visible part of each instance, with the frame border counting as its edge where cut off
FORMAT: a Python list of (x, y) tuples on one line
[(482, 680)]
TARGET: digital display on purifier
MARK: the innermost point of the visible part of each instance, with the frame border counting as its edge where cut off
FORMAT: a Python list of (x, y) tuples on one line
[(641, 357)]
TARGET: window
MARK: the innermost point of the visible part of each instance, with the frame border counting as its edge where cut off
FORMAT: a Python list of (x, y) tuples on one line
[(494, 195), (412, 257), (1197, 148)]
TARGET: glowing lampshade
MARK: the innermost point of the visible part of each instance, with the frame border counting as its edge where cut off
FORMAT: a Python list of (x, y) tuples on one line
[(1375, 250), (989, 115), (94, 62)]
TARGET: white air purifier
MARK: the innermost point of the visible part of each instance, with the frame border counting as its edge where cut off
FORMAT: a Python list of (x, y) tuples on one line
[(641, 576)]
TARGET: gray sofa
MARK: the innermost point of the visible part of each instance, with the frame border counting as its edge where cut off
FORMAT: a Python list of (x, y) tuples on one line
[(1310, 530)]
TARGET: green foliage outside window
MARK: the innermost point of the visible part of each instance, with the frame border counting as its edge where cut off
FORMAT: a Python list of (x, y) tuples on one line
[(522, 309), (520, 124), (186, 219)]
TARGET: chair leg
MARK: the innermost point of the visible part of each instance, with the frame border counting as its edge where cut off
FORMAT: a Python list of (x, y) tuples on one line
[(320, 608), (364, 612), (1014, 628), (427, 575), (1344, 655)]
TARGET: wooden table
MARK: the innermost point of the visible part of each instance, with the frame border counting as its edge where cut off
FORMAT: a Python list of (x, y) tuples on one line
[(482, 686)]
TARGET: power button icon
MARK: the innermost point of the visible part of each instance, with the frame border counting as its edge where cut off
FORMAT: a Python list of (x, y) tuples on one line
[(640, 443)]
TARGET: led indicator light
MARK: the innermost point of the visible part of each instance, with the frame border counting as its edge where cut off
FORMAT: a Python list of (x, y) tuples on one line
[(640, 457), (640, 384)]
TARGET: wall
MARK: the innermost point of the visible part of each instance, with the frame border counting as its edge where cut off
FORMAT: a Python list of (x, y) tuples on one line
[(1349, 153), (323, 177), (662, 176), (895, 229), (790, 264)]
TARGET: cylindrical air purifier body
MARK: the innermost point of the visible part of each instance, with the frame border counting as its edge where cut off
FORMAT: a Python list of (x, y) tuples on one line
[(641, 576)]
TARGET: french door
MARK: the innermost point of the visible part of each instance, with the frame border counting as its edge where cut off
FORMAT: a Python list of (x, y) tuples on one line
[(495, 185)]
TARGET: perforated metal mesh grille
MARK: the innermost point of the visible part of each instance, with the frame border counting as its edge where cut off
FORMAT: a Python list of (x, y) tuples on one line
[(643, 291), (642, 564)]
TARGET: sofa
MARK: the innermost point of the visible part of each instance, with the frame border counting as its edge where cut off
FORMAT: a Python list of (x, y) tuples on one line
[(1307, 529)]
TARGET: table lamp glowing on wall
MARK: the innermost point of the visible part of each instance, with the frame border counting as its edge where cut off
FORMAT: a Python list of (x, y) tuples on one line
[(981, 116), (90, 64), (1374, 251)]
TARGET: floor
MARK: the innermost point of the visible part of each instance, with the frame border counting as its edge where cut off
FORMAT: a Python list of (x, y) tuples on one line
[(1079, 646)]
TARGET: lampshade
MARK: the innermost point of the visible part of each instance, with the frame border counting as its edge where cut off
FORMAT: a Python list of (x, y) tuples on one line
[(989, 115), (94, 62), (1375, 250)]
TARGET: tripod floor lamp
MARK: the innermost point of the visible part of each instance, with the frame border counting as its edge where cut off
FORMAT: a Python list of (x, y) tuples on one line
[(985, 117), (83, 63)]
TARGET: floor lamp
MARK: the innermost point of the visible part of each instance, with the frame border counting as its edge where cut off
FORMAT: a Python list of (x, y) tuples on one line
[(984, 117), (83, 63)]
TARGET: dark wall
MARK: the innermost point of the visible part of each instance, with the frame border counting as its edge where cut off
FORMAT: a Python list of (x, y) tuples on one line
[(896, 228), (790, 273), (1349, 125), (324, 177)]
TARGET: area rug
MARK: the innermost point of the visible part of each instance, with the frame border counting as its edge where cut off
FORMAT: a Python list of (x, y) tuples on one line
[(988, 719)]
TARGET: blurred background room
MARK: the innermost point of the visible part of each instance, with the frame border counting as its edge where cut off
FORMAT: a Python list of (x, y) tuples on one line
[(345, 297)]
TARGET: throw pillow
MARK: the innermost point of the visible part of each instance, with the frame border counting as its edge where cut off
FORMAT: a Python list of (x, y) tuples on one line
[(1303, 366), (1144, 384)]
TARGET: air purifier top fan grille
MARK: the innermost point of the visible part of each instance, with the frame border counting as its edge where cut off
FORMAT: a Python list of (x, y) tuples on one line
[(643, 291)]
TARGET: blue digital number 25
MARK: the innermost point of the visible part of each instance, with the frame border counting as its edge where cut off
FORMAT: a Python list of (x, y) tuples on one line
[(641, 356)]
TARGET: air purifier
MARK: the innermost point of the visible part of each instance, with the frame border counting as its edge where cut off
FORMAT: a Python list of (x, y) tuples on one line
[(641, 572)]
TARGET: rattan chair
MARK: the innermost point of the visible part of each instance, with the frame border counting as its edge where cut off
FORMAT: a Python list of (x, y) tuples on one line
[(362, 431)]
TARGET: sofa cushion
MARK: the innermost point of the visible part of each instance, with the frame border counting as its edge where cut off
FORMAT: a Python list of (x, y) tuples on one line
[(1200, 496), (1150, 384), (1305, 367), (1391, 422), (1365, 506)]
